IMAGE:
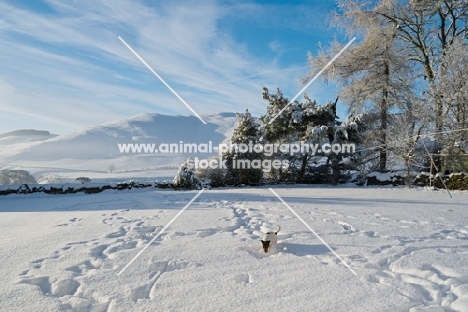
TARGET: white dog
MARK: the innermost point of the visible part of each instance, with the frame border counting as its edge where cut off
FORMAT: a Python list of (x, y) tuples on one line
[(270, 240)]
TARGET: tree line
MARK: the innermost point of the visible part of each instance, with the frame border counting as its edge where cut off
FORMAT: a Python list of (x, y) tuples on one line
[(405, 87)]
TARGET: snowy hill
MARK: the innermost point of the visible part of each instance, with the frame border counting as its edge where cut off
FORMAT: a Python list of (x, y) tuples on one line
[(16, 140), (92, 150)]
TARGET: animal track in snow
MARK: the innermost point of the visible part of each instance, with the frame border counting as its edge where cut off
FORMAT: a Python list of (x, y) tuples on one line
[(85, 266), (381, 249), (64, 287), (372, 234), (41, 281), (243, 278), (156, 270), (451, 234), (348, 229), (71, 222), (120, 232), (427, 282), (70, 283)]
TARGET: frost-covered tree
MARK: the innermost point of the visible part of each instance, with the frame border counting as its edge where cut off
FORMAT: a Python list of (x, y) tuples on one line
[(453, 85), (186, 177), (428, 29), (406, 139), (395, 36), (372, 73), (244, 167)]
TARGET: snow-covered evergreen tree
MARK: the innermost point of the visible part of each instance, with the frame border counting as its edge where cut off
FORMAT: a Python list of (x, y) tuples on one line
[(186, 177), (246, 132), (306, 123)]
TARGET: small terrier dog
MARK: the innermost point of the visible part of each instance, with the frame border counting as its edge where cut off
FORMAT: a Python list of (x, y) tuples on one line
[(270, 240)]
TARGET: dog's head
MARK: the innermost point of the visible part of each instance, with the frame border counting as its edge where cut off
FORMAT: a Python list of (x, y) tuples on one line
[(267, 239), (266, 245)]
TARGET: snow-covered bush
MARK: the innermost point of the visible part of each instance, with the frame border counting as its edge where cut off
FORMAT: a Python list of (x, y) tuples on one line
[(16, 177), (186, 177), (83, 180), (213, 176)]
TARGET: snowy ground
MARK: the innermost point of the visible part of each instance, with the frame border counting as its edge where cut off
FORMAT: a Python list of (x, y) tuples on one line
[(63, 253)]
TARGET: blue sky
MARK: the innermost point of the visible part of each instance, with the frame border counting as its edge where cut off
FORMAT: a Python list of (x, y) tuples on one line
[(63, 67)]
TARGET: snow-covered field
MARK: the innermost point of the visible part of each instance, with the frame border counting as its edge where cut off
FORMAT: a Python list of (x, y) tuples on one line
[(409, 248)]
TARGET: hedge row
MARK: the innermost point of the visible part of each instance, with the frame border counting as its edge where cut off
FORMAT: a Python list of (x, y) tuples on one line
[(88, 189), (455, 181)]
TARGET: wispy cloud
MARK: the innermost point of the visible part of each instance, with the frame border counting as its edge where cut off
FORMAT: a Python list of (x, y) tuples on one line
[(68, 69)]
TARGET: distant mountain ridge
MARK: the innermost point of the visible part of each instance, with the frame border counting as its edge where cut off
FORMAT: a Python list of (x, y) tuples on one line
[(96, 146), (26, 132)]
